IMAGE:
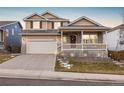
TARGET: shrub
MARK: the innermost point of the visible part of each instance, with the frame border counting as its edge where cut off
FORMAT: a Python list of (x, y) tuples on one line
[(14, 49)]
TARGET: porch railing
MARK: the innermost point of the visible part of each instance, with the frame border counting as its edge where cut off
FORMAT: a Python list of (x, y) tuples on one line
[(79, 46), (97, 46)]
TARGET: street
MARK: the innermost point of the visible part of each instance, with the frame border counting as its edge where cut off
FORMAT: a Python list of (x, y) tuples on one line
[(32, 82)]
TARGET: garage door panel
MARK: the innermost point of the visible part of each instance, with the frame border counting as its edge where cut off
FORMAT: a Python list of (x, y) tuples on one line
[(42, 47)]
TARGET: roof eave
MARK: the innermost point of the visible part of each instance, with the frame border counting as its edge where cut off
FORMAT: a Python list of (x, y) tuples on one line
[(12, 23), (38, 34), (103, 28)]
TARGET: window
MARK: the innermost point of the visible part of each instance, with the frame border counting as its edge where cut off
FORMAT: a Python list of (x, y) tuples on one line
[(64, 39), (15, 26), (36, 25), (64, 23), (90, 38), (7, 32), (13, 32), (56, 25)]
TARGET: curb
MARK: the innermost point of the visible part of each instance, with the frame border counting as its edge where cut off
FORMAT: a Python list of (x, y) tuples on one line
[(28, 74)]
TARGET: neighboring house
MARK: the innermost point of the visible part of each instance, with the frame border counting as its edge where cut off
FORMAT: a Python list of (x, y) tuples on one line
[(49, 34), (115, 38), (9, 34)]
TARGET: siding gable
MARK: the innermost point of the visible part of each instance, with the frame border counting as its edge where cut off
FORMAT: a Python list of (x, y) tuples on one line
[(84, 22), (49, 15), (35, 17)]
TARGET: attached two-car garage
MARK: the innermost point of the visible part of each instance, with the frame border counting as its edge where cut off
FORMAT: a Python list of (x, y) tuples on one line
[(41, 47)]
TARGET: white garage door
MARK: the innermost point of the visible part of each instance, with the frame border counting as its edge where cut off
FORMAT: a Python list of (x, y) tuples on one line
[(41, 47)]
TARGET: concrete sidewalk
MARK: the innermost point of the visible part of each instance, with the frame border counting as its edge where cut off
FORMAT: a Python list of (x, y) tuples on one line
[(30, 74)]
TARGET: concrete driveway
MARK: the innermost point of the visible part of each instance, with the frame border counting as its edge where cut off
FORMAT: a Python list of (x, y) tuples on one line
[(31, 62)]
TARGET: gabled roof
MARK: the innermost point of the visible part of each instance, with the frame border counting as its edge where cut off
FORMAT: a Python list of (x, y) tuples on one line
[(121, 26), (47, 12), (84, 17), (6, 23), (44, 18), (28, 17), (54, 15)]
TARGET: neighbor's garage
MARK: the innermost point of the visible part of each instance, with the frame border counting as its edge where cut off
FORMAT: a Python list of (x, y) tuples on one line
[(41, 47)]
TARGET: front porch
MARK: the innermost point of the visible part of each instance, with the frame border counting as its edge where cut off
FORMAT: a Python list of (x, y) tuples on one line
[(83, 43), (84, 46)]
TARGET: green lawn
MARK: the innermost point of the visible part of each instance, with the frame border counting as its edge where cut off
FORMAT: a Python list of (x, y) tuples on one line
[(91, 67), (5, 57)]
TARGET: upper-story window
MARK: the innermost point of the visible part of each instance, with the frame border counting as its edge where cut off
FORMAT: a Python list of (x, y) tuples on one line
[(13, 32), (15, 26), (36, 25), (7, 32), (56, 25)]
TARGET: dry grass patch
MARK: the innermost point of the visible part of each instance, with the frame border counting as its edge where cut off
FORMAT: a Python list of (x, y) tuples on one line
[(91, 67), (5, 57)]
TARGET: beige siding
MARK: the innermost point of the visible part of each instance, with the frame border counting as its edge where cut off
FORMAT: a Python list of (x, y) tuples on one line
[(49, 25), (84, 22), (43, 25), (49, 15), (35, 17), (28, 25), (100, 38)]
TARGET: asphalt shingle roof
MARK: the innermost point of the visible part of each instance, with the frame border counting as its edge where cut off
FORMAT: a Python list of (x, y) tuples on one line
[(40, 31), (6, 22)]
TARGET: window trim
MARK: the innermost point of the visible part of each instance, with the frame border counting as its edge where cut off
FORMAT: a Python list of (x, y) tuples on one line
[(36, 22), (31, 24), (7, 32), (40, 24), (56, 27), (90, 40), (13, 32)]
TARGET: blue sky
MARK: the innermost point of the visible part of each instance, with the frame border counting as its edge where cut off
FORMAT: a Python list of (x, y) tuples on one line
[(107, 16)]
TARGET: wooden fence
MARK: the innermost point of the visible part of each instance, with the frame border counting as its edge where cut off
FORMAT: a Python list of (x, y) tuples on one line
[(116, 55)]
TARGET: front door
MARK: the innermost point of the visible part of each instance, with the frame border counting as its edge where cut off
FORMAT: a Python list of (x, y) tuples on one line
[(73, 41)]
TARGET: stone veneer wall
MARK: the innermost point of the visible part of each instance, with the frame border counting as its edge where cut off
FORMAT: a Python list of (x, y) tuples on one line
[(86, 53)]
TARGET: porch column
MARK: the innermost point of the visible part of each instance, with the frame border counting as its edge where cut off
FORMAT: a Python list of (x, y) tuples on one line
[(61, 40), (46, 24), (106, 41), (82, 40)]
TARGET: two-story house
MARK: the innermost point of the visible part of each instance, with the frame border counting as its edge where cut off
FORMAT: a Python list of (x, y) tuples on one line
[(41, 33), (49, 34)]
